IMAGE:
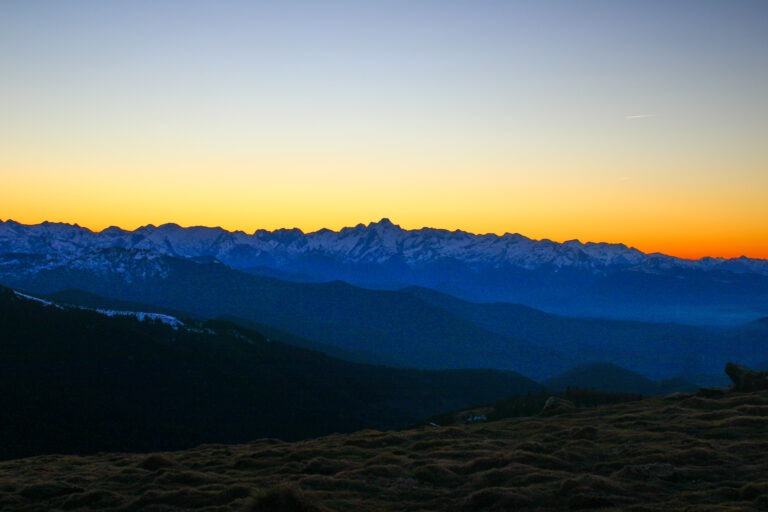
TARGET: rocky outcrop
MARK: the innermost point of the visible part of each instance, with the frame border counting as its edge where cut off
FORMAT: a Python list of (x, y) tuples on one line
[(745, 379)]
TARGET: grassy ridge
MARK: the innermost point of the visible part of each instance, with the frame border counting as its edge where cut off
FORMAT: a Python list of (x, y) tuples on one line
[(680, 453)]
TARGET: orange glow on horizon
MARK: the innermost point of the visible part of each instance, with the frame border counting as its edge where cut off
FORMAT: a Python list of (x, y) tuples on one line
[(693, 246), (650, 131)]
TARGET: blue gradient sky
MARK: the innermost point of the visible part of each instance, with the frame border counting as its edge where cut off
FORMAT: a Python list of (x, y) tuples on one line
[(640, 122)]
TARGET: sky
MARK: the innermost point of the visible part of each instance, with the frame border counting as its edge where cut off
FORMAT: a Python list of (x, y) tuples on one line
[(641, 122)]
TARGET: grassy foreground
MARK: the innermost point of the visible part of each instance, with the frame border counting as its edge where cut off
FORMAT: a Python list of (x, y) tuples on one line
[(674, 453)]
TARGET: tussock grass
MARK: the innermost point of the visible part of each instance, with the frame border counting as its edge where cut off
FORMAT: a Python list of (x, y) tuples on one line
[(754, 490), (103, 500), (436, 474), (671, 454), (284, 498), (188, 498), (154, 462), (186, 478), (46, 490), (325, 466), (494, 499)]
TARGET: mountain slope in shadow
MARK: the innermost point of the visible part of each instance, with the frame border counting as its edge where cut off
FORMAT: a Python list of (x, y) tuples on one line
[(76, 381), (417, 329)]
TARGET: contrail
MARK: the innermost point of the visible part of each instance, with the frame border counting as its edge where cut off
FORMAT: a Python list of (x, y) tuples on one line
[(639, 116)]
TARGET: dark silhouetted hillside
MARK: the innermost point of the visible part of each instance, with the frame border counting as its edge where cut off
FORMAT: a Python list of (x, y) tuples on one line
[(76, 381)]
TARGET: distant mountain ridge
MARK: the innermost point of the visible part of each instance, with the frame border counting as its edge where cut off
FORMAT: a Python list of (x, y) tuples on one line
[(612, 378), (414, 327), (570, 278), (375, 243)]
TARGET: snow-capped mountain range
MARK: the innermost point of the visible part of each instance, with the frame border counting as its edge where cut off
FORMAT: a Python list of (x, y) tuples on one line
[(378, 243), (570, 278)]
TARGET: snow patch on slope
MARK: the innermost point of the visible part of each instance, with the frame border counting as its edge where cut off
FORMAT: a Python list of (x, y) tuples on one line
[(38, 300), (141, 316), (144, 317)]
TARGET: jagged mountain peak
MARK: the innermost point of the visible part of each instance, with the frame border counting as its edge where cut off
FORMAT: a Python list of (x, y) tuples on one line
[(568, 278), (384, 223), (374, 243), (170, 226), (112, 230)]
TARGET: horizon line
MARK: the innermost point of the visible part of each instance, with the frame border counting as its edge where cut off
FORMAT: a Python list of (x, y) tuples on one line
[(385, 221)]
